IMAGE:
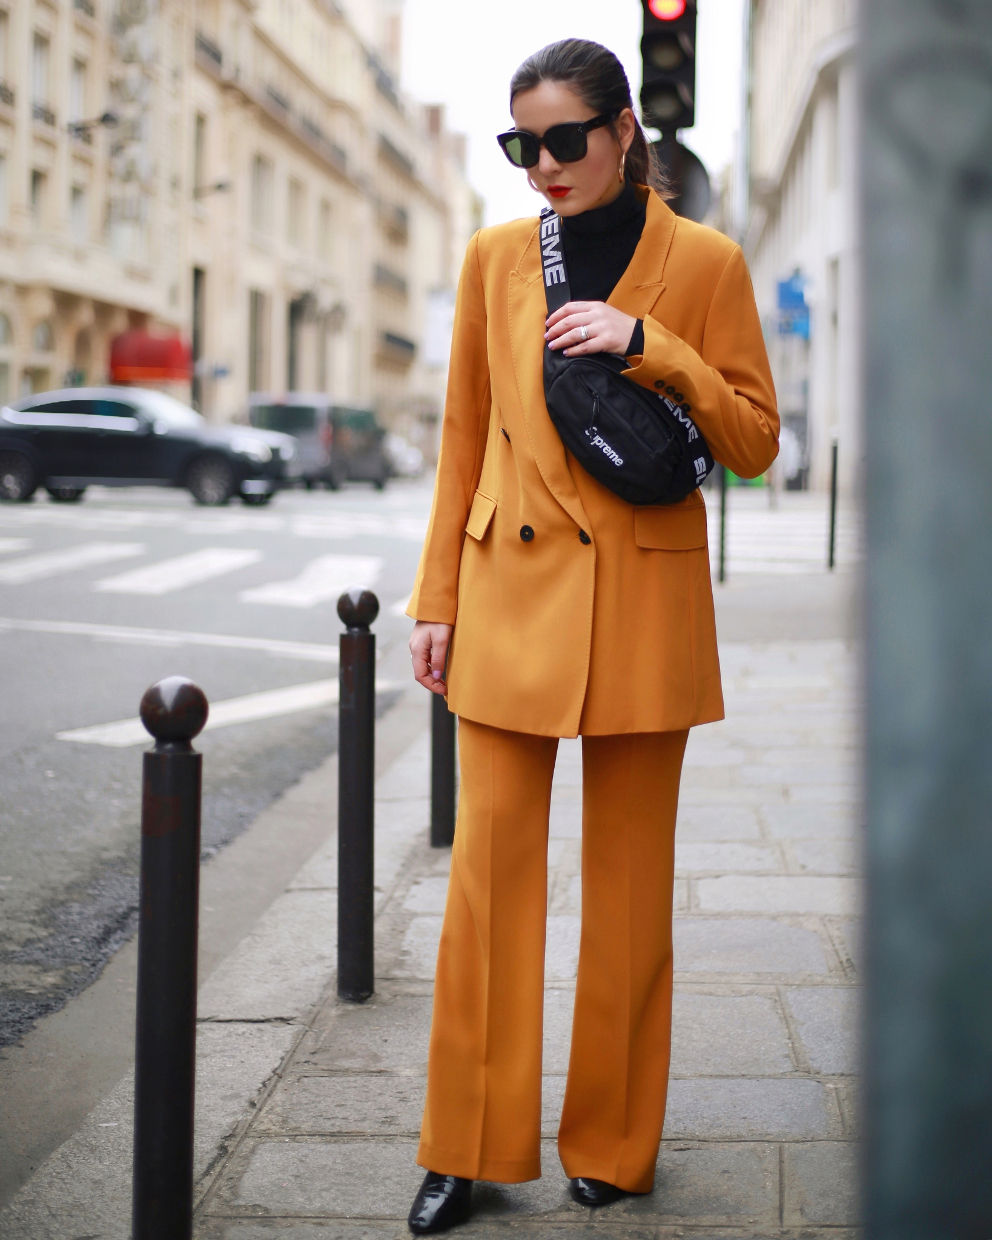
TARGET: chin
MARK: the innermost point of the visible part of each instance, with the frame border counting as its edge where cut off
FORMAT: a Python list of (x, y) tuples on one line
[(570, 205)]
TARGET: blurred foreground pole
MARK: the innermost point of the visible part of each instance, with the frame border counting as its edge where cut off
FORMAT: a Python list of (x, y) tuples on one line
[(926, 166), (173, 711), (356, 797), (832, 541), (442, 773)]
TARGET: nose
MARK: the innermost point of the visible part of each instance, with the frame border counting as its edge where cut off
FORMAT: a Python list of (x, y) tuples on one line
[(547, 165)]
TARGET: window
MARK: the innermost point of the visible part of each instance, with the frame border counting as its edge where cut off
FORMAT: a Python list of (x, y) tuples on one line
[(77, 91), (295, 223), (6, 356), (257, 340), (3, 189), (199, 154), (4, 43), (324, 231), (41, 337), (39, 196), (39, 70), (261, 195), (77, 215)]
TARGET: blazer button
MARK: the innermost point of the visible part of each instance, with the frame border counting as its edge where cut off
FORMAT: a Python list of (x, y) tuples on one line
[(526, 533), (584, 538), (659, 384)]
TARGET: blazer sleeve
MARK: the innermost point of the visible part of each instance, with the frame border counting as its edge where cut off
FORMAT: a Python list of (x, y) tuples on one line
[(464, 431), (727, 388)]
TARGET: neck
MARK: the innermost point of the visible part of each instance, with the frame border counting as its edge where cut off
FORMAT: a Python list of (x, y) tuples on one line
[(610, 195)]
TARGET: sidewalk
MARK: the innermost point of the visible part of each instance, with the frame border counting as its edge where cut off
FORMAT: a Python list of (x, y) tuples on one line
[(307, 1110)]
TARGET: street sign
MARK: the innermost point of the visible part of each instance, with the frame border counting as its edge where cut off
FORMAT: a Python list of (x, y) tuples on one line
[(793, 312), (688, 178)]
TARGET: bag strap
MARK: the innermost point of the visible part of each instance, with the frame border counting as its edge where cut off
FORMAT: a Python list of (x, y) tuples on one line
[(553, 261)]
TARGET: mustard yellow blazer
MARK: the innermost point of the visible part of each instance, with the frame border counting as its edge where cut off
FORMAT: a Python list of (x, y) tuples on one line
[(598, 617)]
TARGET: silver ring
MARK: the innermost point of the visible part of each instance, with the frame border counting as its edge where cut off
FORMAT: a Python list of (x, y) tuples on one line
[(585, 332)]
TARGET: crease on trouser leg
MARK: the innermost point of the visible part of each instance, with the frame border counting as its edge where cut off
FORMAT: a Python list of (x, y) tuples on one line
[(621, 1040), (483, 1109)]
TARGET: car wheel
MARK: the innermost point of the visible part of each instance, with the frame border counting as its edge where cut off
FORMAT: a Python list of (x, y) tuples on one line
[(17, 480), (257, 500), (66, 495), (210, 480)]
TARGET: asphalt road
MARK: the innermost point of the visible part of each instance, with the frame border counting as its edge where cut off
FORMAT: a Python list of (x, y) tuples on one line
[(100, 599)]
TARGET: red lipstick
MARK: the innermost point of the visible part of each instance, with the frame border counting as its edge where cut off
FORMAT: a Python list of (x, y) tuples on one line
[(559, 191)]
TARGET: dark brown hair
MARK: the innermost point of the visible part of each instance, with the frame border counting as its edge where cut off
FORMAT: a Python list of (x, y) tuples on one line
[(597, 77)]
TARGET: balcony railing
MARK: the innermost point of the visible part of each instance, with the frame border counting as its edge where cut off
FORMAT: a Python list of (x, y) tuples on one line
[(208, 48), (42, 112), (394, 156), (395, 222), (85, 6), (277, 97), (384, 278), (398, 347), (6, 94)]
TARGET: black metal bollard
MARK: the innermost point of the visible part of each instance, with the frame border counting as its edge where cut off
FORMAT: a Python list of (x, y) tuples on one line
[(442, 773), (356, 805), (722, 571), (831, 558), (174, 711)]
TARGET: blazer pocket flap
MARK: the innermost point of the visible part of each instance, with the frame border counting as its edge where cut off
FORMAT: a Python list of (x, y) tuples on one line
[(675, 528), (483, 507)]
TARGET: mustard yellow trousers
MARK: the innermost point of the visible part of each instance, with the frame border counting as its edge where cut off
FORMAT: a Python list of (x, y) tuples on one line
[(482, 1119)]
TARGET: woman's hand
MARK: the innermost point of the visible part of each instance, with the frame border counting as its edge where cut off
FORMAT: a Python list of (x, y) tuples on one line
[(429, 651), (608, 329)]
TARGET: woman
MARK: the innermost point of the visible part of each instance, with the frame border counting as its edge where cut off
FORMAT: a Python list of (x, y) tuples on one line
[(546, 606)]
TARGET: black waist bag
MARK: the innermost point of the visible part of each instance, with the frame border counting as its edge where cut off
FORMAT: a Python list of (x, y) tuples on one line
[(640, 444)]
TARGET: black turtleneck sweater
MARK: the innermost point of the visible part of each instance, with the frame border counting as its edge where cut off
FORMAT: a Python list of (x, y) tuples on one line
[(598, 246)]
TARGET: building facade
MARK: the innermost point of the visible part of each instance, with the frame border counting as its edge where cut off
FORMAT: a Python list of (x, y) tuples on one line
[(242, 172), (801, 237)]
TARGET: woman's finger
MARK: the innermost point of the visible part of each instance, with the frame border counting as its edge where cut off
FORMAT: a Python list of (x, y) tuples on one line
[(573, 323), (439, 657), (571, 307)]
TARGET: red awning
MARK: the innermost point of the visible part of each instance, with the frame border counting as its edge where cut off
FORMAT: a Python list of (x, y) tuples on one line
[(137, 357)]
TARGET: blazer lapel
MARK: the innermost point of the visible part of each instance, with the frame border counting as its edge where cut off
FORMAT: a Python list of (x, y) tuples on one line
[(641, 284), (527, 310)]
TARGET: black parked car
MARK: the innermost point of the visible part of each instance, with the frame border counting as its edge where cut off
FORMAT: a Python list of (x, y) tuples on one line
[(120, 436)]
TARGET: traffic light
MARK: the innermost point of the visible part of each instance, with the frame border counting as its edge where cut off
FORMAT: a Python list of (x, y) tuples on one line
[(668, 55)]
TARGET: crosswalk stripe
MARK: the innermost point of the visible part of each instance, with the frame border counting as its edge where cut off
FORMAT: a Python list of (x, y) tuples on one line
[(248, 709), (310, 651), (177, 574), (9, 545), (52, 563), (324, 578)]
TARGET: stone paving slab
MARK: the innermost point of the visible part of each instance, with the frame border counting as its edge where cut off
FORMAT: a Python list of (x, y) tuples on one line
[(826, 1018), (749, 1109), (747, 946), (728, 1035)]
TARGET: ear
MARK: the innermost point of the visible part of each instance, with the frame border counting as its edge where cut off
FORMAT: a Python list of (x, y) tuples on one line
[(626, 127)]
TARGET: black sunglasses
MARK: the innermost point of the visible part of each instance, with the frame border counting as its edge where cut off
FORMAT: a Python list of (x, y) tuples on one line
[(567, 143)]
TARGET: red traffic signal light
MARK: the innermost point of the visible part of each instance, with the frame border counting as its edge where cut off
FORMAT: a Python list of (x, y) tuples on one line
[(666, 10), (668, 62)]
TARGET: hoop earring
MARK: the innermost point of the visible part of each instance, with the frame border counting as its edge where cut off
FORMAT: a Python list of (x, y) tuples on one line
[(623, 161), (530, 182)]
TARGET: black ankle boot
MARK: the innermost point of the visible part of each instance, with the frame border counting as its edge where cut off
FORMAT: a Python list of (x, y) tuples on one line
[(594, 1192), (443, 1201)]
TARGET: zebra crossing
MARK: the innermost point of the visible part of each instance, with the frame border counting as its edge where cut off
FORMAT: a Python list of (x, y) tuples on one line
[(321, 580), (791, 538)]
